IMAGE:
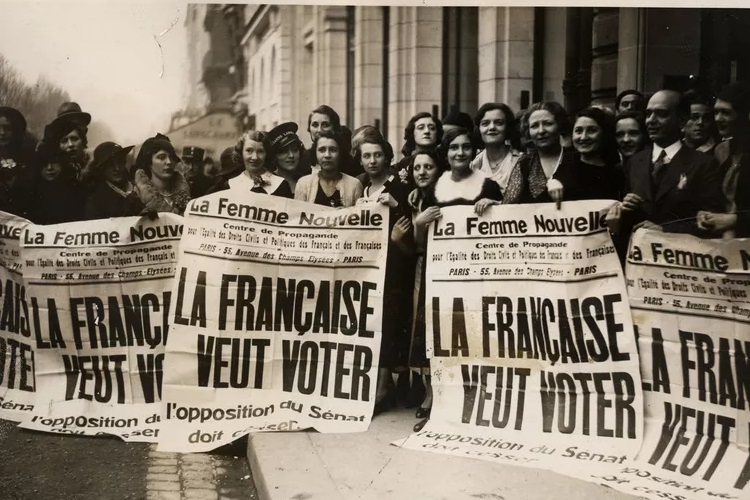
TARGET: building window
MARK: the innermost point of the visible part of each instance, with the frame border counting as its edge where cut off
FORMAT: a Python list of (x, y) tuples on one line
[(350, 14)]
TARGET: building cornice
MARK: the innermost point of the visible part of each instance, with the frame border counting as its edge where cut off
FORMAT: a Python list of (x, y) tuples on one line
[(253, 22)]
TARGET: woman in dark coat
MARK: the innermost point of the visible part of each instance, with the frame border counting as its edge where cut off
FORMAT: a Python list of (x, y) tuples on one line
[(54, 196), (16, 158), (374, 154), (534, 179), (68, 134), (113, 195), (596, 173)]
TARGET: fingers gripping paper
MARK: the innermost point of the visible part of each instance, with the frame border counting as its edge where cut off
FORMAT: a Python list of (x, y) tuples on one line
[(276, 319), (16, 337), (533, 356), (97, 298), (690, 300)]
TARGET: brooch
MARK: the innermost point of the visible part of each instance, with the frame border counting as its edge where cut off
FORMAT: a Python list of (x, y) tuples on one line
[(683, 181)]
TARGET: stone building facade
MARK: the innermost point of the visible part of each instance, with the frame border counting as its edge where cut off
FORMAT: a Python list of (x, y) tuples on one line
[(381, 65)]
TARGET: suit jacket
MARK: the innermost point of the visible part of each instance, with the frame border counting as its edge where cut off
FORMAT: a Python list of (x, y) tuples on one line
[(691, 182)]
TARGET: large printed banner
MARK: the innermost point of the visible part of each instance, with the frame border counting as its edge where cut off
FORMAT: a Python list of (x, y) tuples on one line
[(16, 340), (534, 359), (97, 297), (276, 319), (691, 308)]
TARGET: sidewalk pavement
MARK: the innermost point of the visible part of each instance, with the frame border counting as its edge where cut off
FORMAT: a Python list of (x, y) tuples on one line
[(313, 466)]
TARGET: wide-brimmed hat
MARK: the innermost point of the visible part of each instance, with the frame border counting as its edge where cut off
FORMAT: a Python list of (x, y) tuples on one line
[(59, 128), (228, 165), (72, 111), (282, 136), (17, 120), (106, 152), (193, 154)]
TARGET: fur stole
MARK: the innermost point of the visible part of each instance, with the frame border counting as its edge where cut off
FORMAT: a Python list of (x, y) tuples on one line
[(158, 201)]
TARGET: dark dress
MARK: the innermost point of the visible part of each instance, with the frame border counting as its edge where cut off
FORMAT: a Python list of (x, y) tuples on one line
[(583, 181), (55, 202), (104, 203), (200, 184), (398, 285), (417, 358), (321, 198), (528, 183)]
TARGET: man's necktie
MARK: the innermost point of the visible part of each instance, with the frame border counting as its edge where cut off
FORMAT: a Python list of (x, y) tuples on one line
[(658, 169)]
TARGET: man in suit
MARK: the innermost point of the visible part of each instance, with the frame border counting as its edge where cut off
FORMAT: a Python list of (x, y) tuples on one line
[(668, 182), (732, 110)]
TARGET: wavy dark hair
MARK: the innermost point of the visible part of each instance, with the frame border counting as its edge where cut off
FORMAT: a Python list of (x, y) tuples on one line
[(411, 145), (253, 135), (343, 143), (371, 138), (639, 119), (511, 127), (606, 123), (555, 109), (451, 136), (324, 109)]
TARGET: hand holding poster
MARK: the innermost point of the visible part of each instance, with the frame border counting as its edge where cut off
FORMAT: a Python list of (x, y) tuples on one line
[(691, 308), (276, 319), (534, 360), (97, 302), (16, 342)]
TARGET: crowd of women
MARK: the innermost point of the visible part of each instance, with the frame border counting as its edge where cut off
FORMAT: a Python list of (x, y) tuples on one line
[(539, 155)]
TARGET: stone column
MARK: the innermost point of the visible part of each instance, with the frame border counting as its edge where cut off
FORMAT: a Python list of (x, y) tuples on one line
[(368, 62), (506, 54), (415, 66), (330, 57)]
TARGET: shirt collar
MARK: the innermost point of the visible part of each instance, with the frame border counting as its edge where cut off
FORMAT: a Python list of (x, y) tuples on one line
[(670, 150)]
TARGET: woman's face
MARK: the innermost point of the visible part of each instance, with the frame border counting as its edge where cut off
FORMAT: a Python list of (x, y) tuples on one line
[(629, 138), (162, 165), (327, 154), (288, 158), (459, 153), (72, 143), (587, 136), (6, 131), (543, 129), (373, 159), (253, 155), (116, 172), (51, 171), (492, 127), (425, 171), (425, 132)]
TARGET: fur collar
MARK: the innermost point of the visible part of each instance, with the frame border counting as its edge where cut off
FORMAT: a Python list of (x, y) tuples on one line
[(154, 199), (448, 190)]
